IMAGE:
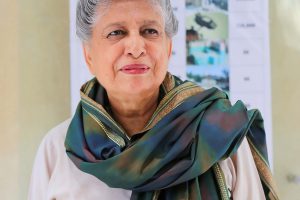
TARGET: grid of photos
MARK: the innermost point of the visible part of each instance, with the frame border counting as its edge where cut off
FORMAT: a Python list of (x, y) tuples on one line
[(207, 34)]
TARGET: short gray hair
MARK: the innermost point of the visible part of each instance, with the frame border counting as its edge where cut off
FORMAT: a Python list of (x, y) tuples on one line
[(86, 16)]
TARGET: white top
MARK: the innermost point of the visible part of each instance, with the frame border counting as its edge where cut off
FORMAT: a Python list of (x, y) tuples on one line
[(55, 177)]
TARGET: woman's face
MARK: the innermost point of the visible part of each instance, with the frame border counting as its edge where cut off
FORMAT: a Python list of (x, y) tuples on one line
[(129, 49)]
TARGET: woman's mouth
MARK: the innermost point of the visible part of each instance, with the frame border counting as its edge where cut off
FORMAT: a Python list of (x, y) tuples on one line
[(135, 69)]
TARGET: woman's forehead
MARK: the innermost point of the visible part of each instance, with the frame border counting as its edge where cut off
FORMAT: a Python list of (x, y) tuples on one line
[(122, 12)]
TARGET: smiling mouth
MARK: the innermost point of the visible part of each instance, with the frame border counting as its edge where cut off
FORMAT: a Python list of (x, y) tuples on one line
[(135, 69)]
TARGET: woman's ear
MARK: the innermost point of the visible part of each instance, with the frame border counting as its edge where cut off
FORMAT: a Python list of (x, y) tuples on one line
[(88, 57), (170, 49)]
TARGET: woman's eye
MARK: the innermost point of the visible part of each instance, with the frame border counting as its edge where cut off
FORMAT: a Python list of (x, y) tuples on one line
[(116, 33), (150, 32)]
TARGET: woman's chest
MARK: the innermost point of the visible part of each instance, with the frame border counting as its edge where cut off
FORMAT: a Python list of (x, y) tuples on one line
[(69, 183)]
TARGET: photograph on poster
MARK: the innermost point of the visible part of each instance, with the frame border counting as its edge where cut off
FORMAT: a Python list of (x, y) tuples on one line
[(208, 4), (207, 43)]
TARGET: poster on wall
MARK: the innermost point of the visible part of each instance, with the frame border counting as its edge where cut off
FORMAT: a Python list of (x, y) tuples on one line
[(207, 37), (220, 43)]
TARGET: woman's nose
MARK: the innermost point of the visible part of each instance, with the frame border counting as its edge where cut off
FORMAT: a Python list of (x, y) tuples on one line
[(135, 46)]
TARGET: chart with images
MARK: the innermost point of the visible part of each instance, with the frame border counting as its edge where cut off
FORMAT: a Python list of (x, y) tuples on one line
[(207, 35), (226, 46)]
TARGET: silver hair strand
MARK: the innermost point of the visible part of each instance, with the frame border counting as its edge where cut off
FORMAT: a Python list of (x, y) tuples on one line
[(86, 16)]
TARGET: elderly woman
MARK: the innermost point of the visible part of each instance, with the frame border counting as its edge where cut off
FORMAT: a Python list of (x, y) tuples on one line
[(140, 132)]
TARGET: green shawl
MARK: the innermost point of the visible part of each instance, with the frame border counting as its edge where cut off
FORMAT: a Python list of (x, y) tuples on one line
[(176, 156)]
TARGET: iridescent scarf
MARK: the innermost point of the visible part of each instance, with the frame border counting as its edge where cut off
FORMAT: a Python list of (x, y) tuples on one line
[(176, 156)]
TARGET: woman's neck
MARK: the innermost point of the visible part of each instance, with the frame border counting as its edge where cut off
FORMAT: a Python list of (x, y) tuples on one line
[(133, 112)]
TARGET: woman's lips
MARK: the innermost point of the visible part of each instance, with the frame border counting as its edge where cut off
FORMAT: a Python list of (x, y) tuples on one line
[(135, 69)]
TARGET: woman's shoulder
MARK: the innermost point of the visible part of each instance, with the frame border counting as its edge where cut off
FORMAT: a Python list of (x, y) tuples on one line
[(54, 176), (57, 133), (241, 175), (52, 147)]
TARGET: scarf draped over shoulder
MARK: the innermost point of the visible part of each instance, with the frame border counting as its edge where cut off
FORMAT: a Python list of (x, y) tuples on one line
[(176, 156)]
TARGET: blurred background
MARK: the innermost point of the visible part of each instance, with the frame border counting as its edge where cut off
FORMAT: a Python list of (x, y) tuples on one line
[(35, 88)]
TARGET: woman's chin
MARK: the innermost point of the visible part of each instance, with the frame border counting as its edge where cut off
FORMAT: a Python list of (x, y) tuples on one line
[(134, 85), (139, 90)]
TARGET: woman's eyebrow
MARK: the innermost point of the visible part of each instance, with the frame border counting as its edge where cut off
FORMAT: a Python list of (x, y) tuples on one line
[(143, 23), (115, 24), (151, 22)]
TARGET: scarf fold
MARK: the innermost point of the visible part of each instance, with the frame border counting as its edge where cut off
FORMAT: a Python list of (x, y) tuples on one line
[(176, 155)]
